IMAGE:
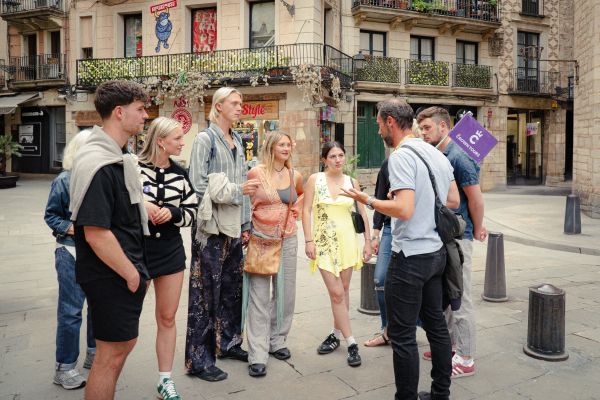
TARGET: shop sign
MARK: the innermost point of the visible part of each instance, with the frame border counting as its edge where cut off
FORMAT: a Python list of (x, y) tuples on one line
[(87, 118), (163, 6), (263, 110), (184, 117), (473, 138), (31, 139)]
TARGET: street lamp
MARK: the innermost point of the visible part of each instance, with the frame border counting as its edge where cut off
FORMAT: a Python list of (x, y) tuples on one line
[(359, 60)]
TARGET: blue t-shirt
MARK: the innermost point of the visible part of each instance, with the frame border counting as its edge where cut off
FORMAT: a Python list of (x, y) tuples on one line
[(466, 173), (407, 171)]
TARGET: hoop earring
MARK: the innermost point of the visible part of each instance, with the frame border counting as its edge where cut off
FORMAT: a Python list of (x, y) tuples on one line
[(163, 148)]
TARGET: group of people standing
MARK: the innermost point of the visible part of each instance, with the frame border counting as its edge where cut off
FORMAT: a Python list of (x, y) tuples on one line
[(117, 221)]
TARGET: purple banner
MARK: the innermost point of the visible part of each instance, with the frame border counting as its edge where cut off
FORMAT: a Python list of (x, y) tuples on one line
[(473, 138)]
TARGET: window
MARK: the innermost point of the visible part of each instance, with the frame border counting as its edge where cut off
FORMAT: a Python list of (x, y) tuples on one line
[(204, 30), (85, 32), (421, 48), (527, 39), (372, 43), (133, 35), (531, 7), (262, 24), (466, 52)]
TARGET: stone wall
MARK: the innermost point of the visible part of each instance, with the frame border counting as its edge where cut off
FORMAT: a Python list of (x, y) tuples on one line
[(586, 146)]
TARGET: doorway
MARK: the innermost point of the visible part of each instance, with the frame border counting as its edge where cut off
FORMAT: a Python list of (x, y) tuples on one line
[(524, 150), (369, 146)]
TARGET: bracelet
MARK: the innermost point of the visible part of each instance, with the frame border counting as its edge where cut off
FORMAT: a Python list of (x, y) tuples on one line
[(307, 241)]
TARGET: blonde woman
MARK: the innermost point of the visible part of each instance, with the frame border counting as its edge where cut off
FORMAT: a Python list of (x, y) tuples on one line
[(272, 217), (171, 204), (70, 294)]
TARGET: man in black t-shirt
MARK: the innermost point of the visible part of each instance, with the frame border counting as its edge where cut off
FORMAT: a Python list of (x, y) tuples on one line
[(109, 215)]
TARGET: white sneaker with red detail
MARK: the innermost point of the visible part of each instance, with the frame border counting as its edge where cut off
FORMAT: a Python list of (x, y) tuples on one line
[(462, 367)]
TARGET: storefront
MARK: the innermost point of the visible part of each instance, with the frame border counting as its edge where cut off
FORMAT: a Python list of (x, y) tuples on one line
[(524, 147)]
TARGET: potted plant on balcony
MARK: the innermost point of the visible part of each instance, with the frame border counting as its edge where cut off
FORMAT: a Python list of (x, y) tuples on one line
[(8, 148)]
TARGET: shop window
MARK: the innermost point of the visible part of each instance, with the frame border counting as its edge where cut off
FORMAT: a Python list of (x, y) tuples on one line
[(373, 43), (204, 30), (421, 48), (133, 35), (262, 24), (466, 52)]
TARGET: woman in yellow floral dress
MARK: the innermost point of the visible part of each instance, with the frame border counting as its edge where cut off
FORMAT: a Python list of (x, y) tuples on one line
[(332, 243)]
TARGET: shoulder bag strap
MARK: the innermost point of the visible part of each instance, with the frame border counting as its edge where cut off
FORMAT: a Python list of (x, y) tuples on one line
[(431, 177), (287, 214), (355, 204)]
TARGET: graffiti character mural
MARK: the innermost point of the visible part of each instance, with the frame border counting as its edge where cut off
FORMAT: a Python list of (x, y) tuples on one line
[(163, 29)]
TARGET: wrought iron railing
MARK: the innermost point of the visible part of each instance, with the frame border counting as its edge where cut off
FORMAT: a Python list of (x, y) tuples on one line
[(429, 73), (532, 7), (484, 10), (472, 76), (40, 67), (16, 6), (535, 82), (378, 69), (239, 64)]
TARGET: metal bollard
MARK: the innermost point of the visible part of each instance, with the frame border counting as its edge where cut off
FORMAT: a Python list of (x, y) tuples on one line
[(546, 323), (573, 215), (494, 288), (368, 297)]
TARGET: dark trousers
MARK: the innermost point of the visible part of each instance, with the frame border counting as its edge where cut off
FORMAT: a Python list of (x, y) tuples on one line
[(215, 301), (413, 288)]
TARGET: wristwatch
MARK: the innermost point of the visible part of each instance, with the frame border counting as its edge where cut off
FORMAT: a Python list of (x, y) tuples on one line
[(369, 201)]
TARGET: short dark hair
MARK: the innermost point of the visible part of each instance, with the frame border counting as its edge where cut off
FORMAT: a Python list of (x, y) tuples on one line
[(111, 94), (331, 145), (399, 110), (438, 114)]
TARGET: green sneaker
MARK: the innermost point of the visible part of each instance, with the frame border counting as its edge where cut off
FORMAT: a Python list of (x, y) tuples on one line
[(166, 390)]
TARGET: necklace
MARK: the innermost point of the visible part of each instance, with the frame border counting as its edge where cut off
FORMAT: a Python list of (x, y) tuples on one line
[(279, 170)]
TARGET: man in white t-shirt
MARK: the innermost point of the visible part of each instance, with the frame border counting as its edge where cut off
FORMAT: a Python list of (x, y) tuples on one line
[(413, 288)]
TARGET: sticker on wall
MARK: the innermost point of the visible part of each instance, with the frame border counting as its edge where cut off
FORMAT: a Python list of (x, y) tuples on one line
[(184, 117), (164, 26)]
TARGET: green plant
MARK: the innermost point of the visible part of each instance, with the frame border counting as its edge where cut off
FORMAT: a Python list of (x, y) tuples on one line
[(351, 165), (422, 6), (493, 3), (380, 69), (472, 76), (8, 148), (430, 73)]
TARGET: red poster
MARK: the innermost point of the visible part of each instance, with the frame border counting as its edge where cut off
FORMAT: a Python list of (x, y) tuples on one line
[(204, 30)]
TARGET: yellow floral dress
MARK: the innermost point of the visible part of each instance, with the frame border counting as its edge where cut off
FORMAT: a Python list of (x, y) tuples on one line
[(336, 242)]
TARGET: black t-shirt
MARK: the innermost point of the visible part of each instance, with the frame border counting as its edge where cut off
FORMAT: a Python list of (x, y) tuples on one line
[(106, 204)]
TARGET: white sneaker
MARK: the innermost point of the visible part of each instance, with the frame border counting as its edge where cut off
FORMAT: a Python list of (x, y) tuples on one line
[(70, 379), (166, 390), (89, 360)]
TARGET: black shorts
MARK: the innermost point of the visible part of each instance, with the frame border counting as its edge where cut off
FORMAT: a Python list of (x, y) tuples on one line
[(114, 309)]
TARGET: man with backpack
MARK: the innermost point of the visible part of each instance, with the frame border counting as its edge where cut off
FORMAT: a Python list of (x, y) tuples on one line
[(215, 292)]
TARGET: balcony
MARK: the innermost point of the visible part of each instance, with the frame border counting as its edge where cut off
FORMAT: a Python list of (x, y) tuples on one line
[(384, 75), (532, 82), (237, 66), (447, 16), (472, 76), (41, 71), (34, 14)]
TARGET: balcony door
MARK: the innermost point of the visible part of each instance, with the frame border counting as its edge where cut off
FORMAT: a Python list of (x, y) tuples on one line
[(370, 148), (29, 65), (528, 70), (52, 61)]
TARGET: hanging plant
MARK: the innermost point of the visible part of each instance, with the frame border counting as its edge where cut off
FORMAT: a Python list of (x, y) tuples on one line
[(307, 78)]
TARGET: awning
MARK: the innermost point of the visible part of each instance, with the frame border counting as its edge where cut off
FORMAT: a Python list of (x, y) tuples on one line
[(9, 103)]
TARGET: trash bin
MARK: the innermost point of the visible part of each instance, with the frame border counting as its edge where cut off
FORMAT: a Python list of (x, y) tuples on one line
[(546, 323), (368, 297)]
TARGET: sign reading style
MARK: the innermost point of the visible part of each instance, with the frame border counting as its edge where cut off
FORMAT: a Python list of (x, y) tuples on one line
[(264, 110), (473, 138)]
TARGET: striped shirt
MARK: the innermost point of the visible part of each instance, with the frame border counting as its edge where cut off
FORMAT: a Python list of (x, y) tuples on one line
[(223, 160), (169, 187)]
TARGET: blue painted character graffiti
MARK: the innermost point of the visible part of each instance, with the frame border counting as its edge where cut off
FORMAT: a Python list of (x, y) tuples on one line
[(163, 29)]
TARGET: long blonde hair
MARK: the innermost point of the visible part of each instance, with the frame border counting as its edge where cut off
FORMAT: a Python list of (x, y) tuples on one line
[(72, 147), (218, 98), (161, 127), (267, 153)]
